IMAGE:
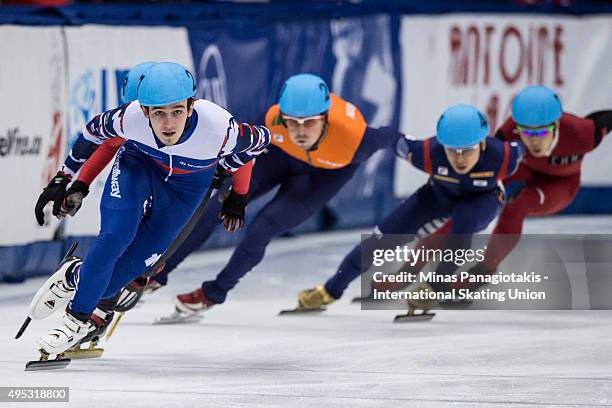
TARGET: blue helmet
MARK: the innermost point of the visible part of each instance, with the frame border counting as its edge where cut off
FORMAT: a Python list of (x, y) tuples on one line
[(165, 83), (304, 95), (130, 81), (536, 106), (461, 126)]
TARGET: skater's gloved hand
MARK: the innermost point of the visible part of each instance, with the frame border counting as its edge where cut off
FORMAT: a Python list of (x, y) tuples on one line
[(232, 211), (513, 190), (55, 191), (219, 177), (403, 144), (74, 198), (131, 294)]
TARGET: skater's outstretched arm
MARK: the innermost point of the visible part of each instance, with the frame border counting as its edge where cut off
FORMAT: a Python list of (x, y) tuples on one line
[(99, 129), (375, 139), (603, 125)]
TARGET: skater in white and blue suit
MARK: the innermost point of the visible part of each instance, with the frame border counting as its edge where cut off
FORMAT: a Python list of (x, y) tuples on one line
[(173, 144)]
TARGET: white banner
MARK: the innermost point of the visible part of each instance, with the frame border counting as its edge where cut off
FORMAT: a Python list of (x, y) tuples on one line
[(32, 136), (99, 57), (485, 60)]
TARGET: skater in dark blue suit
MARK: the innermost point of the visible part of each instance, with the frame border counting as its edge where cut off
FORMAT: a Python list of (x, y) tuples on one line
[(466, 167)]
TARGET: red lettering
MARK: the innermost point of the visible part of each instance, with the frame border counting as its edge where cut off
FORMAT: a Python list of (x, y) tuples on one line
[(492, 112), (489, 29), (558, 47), (542, 47), (55, 147), (529, 55), (456, 68), (529, 62), (473, 40), (511, 78)]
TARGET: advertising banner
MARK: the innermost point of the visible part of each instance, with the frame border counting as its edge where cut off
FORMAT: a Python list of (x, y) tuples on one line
[(244, 70), (32, 131), (485, 60), (98, 59)]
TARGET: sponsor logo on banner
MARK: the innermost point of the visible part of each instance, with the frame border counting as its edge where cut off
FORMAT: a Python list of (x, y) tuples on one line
[(94, 92), (490, 56), (364, 75), (55, 141), (486, 59), (82, 102), (14, 143), (212, 84), (364, 69), (55, 148)]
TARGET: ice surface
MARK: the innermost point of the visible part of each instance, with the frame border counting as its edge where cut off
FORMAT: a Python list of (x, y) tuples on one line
[(243, 355)]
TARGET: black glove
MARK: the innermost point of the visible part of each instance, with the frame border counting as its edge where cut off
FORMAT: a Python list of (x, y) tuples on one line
[(55, 191), (131, 294), (74, 198), (232, 211), (219, 177), (513, 190)]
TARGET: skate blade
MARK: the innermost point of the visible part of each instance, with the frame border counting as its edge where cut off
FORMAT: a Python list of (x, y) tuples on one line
[(84, 353), (299, 311), (38, 365), (178, 318), (369, 299), (362, 299), (420, 317)]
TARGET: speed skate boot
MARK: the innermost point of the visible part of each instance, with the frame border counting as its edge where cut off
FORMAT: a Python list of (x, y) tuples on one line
[(315, 298), (187, 308), (419, 300), (57, 290), (312, 300), (87, 347), (192, 302), (57, 340)]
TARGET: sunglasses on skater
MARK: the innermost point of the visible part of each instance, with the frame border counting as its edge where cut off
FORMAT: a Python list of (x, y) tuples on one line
[(535, 132), (307, 122)]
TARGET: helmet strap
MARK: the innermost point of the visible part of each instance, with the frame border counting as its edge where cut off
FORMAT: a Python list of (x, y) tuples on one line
[(554, 142)]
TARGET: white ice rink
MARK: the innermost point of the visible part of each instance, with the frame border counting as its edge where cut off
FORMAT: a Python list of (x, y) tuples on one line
[(243, 355)]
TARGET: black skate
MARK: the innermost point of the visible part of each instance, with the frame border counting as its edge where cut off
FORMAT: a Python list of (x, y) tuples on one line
[(422, 304), (363, 299), (301, 310), (413, 316), (43, 363)]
